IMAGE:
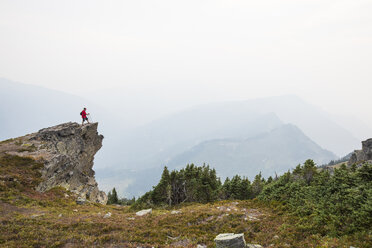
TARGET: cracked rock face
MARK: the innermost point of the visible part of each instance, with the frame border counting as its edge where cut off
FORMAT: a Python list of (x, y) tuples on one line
[(360, 156), (71, 149), (67, 151)]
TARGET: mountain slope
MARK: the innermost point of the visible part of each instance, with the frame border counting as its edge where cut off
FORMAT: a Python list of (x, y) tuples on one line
[(173, 134), (156, 143), (312, 120), (275, 151)]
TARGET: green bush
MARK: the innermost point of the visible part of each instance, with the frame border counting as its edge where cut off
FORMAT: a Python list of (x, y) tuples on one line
[(334, 204)]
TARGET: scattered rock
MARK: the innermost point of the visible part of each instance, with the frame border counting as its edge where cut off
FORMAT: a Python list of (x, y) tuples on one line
[(144, 212), (37, 215), (108, 215), (75, 210), (276, 237), (175, 212), (252, 215), (60, 215), (131, 218), (253, 246), (201, 246), (230, 240), (173, 238), (81, 201), (180, 243)]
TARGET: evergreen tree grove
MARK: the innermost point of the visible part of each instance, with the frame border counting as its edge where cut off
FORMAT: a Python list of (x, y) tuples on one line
[(337, 202)]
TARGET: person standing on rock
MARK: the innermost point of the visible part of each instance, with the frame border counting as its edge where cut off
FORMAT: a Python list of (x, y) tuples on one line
[(84, 116)]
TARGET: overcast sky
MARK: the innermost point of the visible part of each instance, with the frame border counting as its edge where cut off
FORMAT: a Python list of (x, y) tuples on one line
[(183, 53)]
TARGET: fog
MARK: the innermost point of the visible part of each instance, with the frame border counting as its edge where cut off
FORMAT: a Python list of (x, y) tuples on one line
[(146, 59)]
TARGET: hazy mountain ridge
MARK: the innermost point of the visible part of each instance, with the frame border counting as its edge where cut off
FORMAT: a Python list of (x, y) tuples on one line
[(275, 151), (157, 143)]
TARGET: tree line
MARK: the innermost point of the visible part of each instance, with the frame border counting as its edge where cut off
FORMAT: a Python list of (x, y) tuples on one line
[(333, 203), (199, 184), (112, 198)]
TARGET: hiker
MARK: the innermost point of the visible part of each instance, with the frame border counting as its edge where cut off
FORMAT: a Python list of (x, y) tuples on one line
[(84, 116)]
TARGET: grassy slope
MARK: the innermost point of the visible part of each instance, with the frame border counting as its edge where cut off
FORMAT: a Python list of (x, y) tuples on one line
[(53, 219)]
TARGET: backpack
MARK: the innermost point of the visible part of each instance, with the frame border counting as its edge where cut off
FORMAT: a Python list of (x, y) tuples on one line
[(81, 113)]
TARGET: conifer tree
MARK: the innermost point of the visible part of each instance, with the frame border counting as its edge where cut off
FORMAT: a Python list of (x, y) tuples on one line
[(257, 185), (112, 197)]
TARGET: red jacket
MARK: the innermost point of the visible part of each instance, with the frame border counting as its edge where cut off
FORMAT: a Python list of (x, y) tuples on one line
[(83, 114)]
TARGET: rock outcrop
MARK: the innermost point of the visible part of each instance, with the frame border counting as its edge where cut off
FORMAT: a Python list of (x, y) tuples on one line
[(67, 151), (364, 155)]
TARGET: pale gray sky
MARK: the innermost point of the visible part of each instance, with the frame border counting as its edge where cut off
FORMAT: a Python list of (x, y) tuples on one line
[(188, 52)]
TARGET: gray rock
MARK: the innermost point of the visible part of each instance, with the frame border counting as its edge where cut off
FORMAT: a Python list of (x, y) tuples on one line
[(144, 212), (68, 152), (201, 246), (81, 201), (175, 212), (108, 215), (230, 240), (360, 156), (253, 246), (37, 215)]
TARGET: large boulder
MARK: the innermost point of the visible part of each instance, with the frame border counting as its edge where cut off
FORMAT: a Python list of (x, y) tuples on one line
[(360, 156), (230, 240), (67, 152)]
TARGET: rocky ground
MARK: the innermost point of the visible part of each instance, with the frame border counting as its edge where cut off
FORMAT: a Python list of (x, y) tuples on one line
[(61, 223)]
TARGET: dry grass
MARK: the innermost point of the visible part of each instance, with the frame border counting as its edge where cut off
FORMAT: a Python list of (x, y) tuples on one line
[(53, 219)]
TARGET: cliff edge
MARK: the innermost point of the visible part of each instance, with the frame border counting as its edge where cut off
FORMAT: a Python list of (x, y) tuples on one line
[(67, 153)]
